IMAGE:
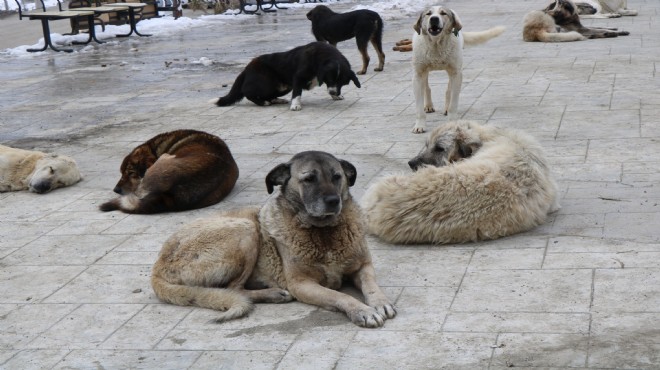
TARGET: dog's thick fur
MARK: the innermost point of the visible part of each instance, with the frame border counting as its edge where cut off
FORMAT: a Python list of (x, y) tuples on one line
[(35, 171), (438, 45), (565, 15), (472, 183), (269, 76), (540, 26), (604, 8), (301, 244), (174, 171), (365, 25)]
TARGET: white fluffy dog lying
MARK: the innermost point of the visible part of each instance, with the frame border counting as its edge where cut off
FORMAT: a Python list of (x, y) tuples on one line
[(35, 171), (472, 182)]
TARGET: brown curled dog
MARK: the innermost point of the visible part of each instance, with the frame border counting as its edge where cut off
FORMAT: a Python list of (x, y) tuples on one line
[(301, 244), (175, 171)]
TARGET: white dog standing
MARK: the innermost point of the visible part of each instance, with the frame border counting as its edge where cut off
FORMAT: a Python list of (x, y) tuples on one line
[(35, 171), (438, 45)]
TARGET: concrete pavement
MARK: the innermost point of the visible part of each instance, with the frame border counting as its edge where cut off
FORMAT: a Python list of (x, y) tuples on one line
[(581, 291)]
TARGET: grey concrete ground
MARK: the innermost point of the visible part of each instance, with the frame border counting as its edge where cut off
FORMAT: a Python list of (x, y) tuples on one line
[(581, 291)]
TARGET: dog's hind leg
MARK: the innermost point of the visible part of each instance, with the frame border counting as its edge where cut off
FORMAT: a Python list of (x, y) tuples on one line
[(378, 45), (362, 43)]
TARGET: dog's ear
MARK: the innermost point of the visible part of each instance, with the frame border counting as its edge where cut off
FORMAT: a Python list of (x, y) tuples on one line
[(551, 6), (457, 25), (418, 25), (279, 175), (349, 171), (354, 79)]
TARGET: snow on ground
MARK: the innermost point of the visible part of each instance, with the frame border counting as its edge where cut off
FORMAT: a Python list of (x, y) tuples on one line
[(167, 25)]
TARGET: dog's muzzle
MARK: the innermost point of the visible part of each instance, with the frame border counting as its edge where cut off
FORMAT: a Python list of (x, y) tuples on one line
[(40, 187), (434, 26), (414, 163), (118, 190)]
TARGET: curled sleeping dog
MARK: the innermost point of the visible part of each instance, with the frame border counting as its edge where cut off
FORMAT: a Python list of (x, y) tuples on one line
[(471, 182)]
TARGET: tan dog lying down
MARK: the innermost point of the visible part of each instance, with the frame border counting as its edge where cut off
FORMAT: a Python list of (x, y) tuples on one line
[(35, 171), (471, 183), (301, 244)]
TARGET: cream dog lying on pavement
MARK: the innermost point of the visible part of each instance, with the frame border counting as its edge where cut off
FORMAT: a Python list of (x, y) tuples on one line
[(35, 171), (301, 244), (472, 183)]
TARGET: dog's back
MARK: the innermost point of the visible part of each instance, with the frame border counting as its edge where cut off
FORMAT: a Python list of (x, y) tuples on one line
[(336, 27)]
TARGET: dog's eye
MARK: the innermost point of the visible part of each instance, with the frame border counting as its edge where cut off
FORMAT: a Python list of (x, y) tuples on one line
[(428, 13), (336, 177), (439, 148), (52, 170), (309, 179), (443, 13)]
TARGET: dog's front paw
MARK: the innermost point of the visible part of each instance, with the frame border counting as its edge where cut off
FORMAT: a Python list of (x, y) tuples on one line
[(367, 318), (361, 72), (429, 109), (296, 107), (296, 104), (418, 129), (387, 310), (337, 97)]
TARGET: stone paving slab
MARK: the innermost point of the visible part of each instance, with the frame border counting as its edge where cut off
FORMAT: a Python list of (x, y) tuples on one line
[(580, 291)]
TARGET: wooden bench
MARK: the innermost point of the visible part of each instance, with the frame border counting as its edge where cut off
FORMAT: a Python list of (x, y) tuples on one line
[(46, 16)]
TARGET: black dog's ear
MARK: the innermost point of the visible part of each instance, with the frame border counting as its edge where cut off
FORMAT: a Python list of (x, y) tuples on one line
[(418, 26), (354, 79), (349, 171), (279, 175)]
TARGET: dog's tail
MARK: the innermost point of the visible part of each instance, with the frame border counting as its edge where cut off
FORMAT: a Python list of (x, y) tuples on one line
[(560, 36), (233, 303), (479, 37), (235, 94)]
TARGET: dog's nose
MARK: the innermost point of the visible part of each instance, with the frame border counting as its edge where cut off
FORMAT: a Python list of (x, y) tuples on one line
[(414, 163), (331, 201), (434, 21), (41, 187), (118, 190)]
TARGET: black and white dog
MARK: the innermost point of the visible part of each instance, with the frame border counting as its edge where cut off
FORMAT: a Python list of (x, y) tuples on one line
[(269, 76)]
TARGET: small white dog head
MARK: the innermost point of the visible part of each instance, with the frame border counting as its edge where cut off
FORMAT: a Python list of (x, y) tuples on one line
[(436, 19), (53, 171)]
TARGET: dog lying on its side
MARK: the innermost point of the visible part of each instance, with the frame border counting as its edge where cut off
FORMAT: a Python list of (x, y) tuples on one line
[(269, 76), (365, 25), (301, 244), (561, 15), (604, 8), (472, 183), (438, 45), (174, 171), (35, 171)]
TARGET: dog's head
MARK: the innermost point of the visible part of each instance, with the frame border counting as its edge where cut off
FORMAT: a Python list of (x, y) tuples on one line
[(436, 19), (335, 74), (585, 9), (53, 171), (315, 184), (563, 12), (319, 12), (133, 168), (449, 143)]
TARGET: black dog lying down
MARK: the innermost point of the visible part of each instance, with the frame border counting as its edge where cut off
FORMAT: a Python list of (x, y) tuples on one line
[(365, 25), (269, 76)]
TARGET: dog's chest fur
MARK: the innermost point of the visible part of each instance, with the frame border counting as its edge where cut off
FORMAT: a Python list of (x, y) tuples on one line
[(327, 254), (443, 52)]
